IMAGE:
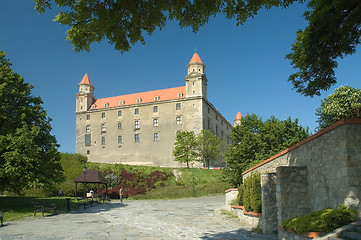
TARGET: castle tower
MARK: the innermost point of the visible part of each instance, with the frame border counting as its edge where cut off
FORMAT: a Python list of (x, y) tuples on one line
[(196, 80), (237, 120), (85, 97)]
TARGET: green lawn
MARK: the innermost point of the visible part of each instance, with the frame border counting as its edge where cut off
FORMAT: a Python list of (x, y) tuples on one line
[(14, 208)]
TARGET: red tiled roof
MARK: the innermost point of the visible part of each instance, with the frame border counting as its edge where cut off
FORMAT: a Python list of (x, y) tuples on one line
[(86, 80), (195, 58), (146, 97), (239, 116)]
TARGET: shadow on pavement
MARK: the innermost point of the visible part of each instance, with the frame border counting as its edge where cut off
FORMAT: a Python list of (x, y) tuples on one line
[(240, 234), (103, 207)]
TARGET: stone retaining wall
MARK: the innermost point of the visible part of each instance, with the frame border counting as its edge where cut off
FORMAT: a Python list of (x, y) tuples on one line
[(333, 160), (248, 219), (231, 194)]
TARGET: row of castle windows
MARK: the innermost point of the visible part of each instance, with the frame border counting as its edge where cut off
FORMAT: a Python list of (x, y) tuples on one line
[(120, 139), (178, 106), (138, 100), (136, 124)]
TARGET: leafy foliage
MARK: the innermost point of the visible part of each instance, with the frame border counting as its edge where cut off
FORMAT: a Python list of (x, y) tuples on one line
[(325, 220), (334, 31), (185, 147), (208, 147), (345, 102), (254, 141), (124, 22), (252, 194), (28, 152)]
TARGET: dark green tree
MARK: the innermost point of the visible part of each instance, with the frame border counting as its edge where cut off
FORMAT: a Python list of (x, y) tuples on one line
[(28, 152), (345, 102), (333, 31), (255, 141), (185, 147)]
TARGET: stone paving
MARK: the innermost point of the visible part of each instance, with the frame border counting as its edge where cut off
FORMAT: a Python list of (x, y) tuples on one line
[(194, 218)]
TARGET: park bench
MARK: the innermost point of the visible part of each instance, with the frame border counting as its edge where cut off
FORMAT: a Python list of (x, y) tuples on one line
[(43, 206), (1, 218)]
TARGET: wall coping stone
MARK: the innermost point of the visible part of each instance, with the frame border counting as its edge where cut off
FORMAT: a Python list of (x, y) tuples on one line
[(254, 214), (231, 189), (316, 135)]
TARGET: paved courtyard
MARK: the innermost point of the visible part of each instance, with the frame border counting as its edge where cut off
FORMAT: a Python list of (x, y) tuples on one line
[(195, 218)]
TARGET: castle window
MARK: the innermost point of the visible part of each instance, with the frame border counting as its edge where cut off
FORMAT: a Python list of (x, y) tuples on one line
[(156, 137), (194, 92), (120, 113), (156, 98), (155, 109), (180, 95), (193, 83), (136, 124), (103, 128), (120, 125), (155, 122), (179, 119), (87, 128), (178, 106), (87, 139), (121, 103), (222, 123), (136, 138), (209, 111), (217, 117), (139, 100), (103, 114), (106, 104), (93, 106), (103, 140), (136, 111), (209, 123), (222, 134), (216, 129), (88, 117), (87, 152), (120, 139)]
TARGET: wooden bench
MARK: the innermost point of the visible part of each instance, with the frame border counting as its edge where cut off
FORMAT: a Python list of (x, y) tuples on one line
[(1, 218), (43, 206)]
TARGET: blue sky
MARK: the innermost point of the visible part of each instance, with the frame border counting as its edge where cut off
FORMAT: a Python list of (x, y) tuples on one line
[(245, 65)]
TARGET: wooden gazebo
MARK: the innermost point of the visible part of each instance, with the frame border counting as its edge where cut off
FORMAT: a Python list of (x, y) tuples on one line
[(91, 176)]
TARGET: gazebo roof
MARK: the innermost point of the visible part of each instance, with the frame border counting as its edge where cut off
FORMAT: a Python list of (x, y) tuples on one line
[(91, 176)]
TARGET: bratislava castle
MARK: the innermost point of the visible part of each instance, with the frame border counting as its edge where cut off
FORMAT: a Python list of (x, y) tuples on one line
[(141, 128)]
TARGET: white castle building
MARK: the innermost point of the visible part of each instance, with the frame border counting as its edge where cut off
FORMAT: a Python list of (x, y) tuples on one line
[(141, 128)]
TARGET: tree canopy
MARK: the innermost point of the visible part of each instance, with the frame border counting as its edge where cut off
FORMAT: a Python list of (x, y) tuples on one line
[(185, 147), (345, 102), (28, 152), (256, 140), (124, 22), (333, 31), (208, 147)]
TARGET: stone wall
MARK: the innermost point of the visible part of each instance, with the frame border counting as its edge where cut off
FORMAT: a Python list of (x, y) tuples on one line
[(251, 220), (291, 192), (269, 208), (231, 194), (333, 160)]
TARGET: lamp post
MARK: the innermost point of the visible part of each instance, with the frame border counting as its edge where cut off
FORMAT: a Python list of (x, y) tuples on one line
[(84, 171)]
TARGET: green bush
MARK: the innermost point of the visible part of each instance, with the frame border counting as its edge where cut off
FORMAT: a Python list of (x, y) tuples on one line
[(252, 195), (240, 195), (325, 220)]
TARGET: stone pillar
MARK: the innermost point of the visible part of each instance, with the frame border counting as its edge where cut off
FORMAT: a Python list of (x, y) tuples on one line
[(291, 192), (269, 203)]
